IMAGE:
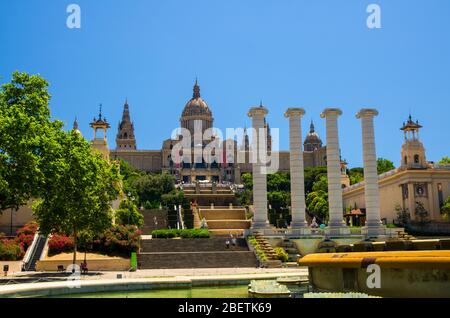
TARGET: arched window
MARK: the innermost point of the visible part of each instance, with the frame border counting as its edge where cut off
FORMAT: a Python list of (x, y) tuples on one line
[(406, 160), (416, 159), (125, 135)]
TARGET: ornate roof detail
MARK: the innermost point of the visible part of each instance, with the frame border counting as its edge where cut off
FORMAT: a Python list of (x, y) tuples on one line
[(312, 140), (196, 105), (411, 125)]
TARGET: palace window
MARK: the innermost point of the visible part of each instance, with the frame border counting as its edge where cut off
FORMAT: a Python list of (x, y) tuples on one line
[(420, 190)]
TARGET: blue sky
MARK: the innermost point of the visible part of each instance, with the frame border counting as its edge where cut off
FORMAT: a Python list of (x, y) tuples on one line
[(287, 53)]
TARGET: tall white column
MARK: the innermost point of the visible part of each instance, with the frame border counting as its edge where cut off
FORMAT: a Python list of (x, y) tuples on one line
[(336, 225), (260, 220), (373, 226), (298, 206)]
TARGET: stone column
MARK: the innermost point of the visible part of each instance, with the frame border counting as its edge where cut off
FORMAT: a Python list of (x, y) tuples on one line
[(336, 224), (373, 226), (298, 206), (260, 220)]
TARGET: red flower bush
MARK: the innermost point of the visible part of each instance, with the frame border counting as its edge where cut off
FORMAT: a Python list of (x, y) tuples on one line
[(25, 235), (119, 240), (59, 243)]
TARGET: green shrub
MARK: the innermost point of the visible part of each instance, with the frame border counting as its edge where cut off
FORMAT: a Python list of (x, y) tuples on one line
[(258, 250), (128, 214), (391, 226), (281, 254), (10, 251), (185, 233), (118, 240)]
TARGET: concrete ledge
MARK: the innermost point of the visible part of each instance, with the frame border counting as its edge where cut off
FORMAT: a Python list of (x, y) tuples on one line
[(108, 264), (111, 285), (14, 267)]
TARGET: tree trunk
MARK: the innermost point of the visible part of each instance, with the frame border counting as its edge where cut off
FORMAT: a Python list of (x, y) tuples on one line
[(74, 250)]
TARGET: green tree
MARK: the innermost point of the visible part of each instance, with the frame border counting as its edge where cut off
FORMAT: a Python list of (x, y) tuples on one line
[(317, 203), (444, 161), (78, 190), (279, 181), (312, 175), (129, 175), (174, 197), (279, 199), (356, 175), (26, 135), (321, 184), (247, 180), (151, 187), (445, 210), (384, 165), (128, 214)]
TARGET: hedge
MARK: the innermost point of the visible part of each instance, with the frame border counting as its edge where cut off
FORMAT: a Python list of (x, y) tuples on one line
[(185, 233)]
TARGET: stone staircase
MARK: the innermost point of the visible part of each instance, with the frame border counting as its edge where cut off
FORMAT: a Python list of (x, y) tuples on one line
[(273, 261), (225, 221), (194, 253), (154, 219)]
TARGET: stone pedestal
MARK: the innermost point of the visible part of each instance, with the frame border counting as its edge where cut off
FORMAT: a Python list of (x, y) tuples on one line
[(336, 224), (260, 220), (299, 225), (373, 226)]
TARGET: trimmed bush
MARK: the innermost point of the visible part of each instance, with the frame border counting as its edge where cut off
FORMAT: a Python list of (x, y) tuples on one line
[(25, 235), (128, 214), (281, 254), (259, 251), (60, 243), (10, 251), (119, 240), (185, 233)]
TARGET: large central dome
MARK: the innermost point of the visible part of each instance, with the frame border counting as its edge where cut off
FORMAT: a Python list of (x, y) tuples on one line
[(196, 109)]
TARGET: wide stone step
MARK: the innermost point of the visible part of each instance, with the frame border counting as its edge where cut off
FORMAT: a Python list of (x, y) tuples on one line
[(227, 259), (190, 245), (229, 224), (226, 232), (222, 214)]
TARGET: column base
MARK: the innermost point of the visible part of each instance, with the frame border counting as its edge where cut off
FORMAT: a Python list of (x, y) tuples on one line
[(374, 231), (300, 231), (260, 225), (336, 231)]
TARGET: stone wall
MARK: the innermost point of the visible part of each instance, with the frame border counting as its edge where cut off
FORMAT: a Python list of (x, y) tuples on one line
[(108, 264)]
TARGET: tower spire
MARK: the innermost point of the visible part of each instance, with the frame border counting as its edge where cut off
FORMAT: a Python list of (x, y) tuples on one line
[(75, 124), (311, 127), (100, 112), (196, 89)]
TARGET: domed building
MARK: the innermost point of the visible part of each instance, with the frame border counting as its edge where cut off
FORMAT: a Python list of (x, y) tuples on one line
[(312, 140), (197, 116), (196, 112)]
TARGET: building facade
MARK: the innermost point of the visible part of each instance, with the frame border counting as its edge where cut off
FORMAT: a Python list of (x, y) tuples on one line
[(197, 112), (417, 187)]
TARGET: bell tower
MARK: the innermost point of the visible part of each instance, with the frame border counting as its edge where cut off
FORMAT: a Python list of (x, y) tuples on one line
[(413, 151), (125, 139), (100, 127)]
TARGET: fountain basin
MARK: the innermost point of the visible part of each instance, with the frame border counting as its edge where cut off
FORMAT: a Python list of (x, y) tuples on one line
[(401, 273)]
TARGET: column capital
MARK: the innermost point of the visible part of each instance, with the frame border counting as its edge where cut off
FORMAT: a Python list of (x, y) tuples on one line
[(294, 112), (367, 112), (330, 112), (260, 110)]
